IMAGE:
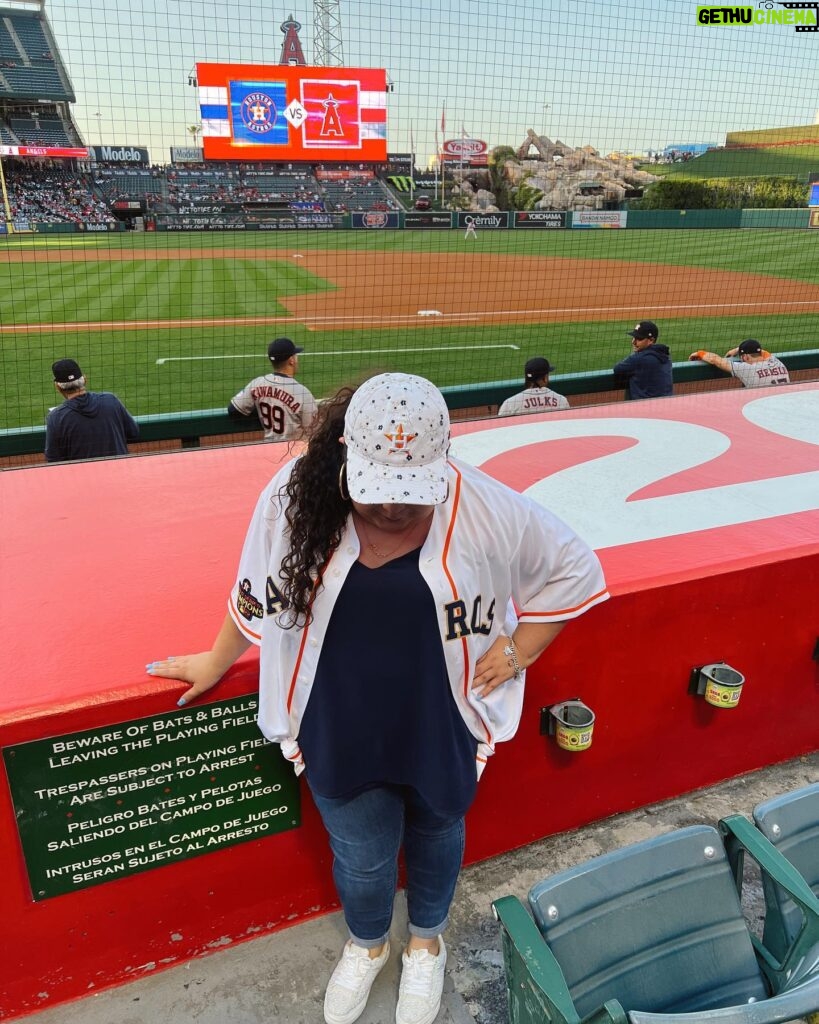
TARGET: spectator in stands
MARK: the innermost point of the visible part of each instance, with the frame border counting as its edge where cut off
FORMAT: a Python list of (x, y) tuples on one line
[(538, 396), (88, 425), (754, 367), (284, 406), (646, 373), (346, 582)]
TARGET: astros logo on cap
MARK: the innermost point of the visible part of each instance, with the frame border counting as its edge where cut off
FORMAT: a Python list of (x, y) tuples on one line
[(400, 440)]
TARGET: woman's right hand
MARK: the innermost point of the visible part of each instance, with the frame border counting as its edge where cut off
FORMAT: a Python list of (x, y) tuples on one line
[(202, 670)]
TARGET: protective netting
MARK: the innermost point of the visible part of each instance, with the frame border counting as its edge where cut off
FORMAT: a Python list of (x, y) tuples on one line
[(443, 188)]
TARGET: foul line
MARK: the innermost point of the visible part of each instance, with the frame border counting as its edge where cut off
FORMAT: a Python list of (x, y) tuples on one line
[(314, 322), (347, 352)]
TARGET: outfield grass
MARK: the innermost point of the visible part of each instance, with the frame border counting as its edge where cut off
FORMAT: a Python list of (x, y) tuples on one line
[(798, 162), (140, 364)]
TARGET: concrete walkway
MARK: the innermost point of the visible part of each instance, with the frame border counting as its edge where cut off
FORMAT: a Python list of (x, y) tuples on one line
[(280, 978)]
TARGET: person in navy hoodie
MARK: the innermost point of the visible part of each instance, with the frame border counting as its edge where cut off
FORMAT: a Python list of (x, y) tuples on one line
[(88, 425), (646, 373)]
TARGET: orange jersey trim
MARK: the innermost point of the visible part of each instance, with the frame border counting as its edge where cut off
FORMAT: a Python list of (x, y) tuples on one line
[(464, 646), (568, 611)]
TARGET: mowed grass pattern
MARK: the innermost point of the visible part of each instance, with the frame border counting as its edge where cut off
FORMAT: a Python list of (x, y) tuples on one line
[(170, 369)]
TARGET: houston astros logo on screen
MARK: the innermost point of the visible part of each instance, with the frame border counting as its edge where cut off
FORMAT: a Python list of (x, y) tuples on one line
[(258, 112)]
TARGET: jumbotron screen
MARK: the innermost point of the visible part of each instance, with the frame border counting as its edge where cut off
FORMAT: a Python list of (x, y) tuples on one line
[(292, 112)]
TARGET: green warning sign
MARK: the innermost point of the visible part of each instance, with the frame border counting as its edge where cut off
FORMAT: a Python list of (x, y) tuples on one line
[(98, 805)]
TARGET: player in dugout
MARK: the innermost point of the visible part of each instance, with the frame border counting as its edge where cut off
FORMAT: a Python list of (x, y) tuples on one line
[(537, 396), (372, 527), (285, 407), (752, 365)]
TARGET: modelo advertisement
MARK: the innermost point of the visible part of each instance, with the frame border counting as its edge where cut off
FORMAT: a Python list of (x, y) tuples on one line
[(427, 220), (119, 154), (549, 219), (375, 220), (484, 221)]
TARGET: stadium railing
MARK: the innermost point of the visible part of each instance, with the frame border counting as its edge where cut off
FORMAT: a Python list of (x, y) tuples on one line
[(464, 400)]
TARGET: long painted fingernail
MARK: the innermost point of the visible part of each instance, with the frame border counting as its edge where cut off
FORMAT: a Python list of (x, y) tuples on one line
[(150, 668), (181, 702)]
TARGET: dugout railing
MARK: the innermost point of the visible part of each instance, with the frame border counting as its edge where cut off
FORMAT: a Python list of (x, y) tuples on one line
[(188, 429)]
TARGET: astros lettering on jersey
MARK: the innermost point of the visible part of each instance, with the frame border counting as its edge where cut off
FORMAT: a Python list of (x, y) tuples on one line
[(761, 374), (284, 406), (533, 400), (492, 557)]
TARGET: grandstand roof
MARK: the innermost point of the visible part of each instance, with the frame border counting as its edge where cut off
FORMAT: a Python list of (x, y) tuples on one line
[(31, 68)]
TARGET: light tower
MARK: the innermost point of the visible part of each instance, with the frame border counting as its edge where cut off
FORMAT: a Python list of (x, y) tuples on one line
[(328, 49)]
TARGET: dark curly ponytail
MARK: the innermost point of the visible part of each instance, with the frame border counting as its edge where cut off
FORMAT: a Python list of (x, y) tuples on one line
[(316, 510)]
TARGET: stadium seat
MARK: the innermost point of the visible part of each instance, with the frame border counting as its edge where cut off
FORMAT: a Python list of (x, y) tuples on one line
[(791, 823), (654, 934)]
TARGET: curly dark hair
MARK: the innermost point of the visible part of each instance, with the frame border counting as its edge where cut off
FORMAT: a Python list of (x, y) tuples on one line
[(316, 511)]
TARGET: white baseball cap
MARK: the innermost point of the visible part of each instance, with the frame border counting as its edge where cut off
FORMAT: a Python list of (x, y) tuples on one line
[(397, 434)]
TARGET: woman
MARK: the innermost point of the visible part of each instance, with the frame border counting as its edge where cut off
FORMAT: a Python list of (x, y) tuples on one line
[(380, 580)]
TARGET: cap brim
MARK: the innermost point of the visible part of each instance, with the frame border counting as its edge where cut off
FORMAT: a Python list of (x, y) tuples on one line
[(297, 350), (373, 483)]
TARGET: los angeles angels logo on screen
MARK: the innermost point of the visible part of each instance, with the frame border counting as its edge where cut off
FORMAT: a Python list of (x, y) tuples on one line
[(333, 114)]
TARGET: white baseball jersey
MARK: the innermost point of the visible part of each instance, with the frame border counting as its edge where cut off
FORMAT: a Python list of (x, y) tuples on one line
[(533, 400), (762, 374), (285, 407), (489, 552)]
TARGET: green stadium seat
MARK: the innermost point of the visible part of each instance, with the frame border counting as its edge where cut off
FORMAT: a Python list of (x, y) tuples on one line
[(791, 823), (654, 934)]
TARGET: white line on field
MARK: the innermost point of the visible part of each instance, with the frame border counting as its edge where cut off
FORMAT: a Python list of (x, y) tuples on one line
[(347, 352)]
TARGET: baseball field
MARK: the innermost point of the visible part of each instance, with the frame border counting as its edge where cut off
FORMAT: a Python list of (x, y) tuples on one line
[(174, 322)]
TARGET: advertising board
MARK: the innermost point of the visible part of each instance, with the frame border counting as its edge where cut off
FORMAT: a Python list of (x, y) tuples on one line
[(187, 155), (484, 221), (599, 218), (119, 154), (415, 219), (292, 112), (375, 220), (470, 152), (549, 219)]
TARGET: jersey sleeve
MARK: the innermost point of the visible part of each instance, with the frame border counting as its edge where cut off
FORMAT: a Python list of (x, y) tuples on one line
[(556, 575), (506, 408), (309, 408), (243, 401), (251, 597)]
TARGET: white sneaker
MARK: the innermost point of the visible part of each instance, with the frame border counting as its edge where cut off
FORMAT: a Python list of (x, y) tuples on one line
[(422, 982), (350, 983)]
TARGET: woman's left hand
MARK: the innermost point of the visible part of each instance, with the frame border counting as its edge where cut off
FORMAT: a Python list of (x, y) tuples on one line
[(494, 668)]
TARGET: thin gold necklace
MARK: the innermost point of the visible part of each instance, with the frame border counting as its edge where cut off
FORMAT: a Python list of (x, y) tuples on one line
[(387, 554)]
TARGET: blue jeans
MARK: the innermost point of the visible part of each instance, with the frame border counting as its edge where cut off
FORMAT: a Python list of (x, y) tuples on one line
[(366, 832)]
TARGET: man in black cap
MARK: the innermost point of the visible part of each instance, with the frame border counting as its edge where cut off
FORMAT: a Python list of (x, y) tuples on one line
[(538, 396), (88, 425), (754, 367), (284, 406), (647, 371)]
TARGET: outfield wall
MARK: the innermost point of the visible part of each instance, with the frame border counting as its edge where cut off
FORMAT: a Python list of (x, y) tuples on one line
[(135, 835), (528, 220)]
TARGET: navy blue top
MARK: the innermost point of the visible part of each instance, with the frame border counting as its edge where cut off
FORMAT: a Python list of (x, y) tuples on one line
[(648, 372), (381, 710), (89, 426)]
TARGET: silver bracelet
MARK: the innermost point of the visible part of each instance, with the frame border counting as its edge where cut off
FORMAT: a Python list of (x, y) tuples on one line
[(510, 652)]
